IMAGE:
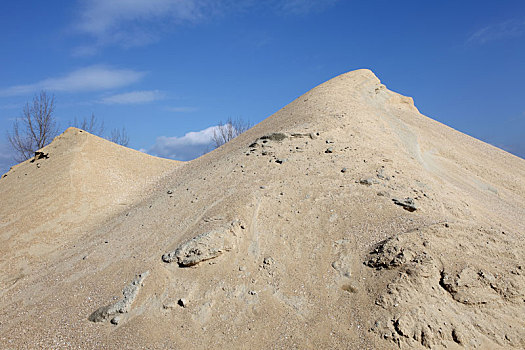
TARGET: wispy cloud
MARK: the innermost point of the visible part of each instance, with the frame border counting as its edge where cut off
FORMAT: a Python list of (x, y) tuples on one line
[(134, 97), (92, 78), (187, 147), (131, 23), (509, 29)]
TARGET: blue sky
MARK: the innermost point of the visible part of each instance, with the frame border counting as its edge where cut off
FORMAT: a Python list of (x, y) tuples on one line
[(169, 70)]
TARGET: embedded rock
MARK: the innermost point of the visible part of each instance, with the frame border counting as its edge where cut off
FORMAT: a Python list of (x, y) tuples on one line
[(206, 246), (129, 292)]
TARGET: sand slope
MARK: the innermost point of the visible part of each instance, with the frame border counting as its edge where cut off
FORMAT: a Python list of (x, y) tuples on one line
[(345, 220), (75, 183)]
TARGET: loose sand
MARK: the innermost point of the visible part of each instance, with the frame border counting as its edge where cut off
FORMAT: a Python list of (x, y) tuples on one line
[(346, 220)]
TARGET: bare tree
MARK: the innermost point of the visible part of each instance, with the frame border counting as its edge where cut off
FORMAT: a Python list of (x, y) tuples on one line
[(35, 129), (96, 127), (119, 136), (226, 132), (91, 125)]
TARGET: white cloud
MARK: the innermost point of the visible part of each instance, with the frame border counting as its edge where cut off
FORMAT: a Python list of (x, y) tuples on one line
[(508, 29), (130, 23), (92, 78), (134, 22), (133, 97), (187, 147)]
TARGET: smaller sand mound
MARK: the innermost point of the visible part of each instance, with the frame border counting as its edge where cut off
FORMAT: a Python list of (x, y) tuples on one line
[(71, 184)]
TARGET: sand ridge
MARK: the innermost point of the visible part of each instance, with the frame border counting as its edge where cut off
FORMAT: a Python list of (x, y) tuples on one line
[(300, 233)]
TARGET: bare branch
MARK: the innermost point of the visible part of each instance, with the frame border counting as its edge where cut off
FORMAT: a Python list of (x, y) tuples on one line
[(119, 136), (96, 127), (225, 132), (91, 125), (35, 129)]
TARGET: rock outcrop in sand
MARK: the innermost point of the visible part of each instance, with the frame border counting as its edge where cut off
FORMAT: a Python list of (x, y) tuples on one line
[(357, 223), (122, 306), (206, 246)]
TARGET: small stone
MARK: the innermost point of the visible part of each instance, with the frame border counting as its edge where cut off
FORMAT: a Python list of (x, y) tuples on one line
[(242, 268), (252, 292), (329, 150), (182, 302), (281, 160), (368, 181), (276, 136), (268, 261), (115, 320), (343, 170), (329, 141), (262, 187), (407, 203), (170, 192)]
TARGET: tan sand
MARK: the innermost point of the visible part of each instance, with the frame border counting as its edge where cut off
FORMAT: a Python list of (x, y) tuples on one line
[(346, 220)]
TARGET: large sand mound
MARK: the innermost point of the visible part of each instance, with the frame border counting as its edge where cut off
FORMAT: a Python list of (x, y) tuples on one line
[(345, 220)]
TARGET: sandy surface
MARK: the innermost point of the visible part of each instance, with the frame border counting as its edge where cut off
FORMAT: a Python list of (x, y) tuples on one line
[(346, 220)]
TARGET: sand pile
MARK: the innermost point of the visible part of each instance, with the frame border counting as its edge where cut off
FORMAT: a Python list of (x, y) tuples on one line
[(77, 182), (345, 220)]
